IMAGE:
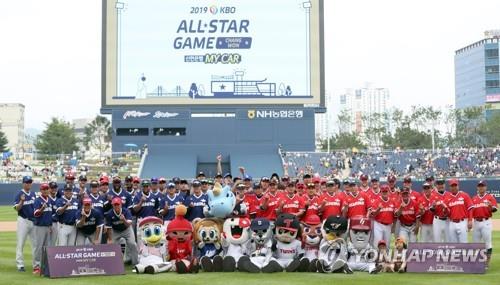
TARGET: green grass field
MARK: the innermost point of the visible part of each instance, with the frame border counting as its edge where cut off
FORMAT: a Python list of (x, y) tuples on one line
[(11, 276), (7, 213)]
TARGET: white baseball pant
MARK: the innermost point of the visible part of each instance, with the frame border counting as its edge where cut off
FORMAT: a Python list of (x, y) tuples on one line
[(24, 229), (381, 232), (481, 232), (426, 233), (440, 230), (66, 235), (458, 231), (407, 232)]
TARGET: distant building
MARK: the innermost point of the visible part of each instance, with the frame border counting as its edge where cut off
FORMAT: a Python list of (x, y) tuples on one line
[(325, 122), (361, 102), (477, 77), (79, 126), (12, 124)]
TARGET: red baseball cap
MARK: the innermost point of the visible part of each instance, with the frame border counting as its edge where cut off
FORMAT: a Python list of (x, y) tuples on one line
[(87, 201), (360, 223), (316, 179), (312, 220), (382, 242), (453, 181), (136, 180), (363, 177), (44, 186), (70, 176), (391, 178), (104, 179), (116, 201), (385, 188), (300, 185)]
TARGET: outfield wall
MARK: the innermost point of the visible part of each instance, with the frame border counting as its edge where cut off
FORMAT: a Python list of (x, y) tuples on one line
[(7, 191)]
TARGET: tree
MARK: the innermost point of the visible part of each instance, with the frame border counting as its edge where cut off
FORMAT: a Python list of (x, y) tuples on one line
[(344, 121), (3, 142), (344, 141), (98, 134), (491, 129), (58, 138), (468, 122)]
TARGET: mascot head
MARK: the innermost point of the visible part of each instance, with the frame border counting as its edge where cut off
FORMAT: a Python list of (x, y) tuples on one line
[(334, 227), (262, 230), (400, 243), (207, 231), (152, 230), (221, 201), (359, 232), (179, 228), (237, 230), (311, 230), (287, 228)]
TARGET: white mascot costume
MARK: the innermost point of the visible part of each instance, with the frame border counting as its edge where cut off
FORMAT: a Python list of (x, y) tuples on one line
[(362, 256), (152, 247)]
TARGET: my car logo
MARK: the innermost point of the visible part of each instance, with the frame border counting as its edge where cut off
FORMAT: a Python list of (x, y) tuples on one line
[(251, 114)]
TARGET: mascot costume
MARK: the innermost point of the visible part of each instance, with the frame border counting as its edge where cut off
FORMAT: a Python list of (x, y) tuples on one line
[(287, 249), (332, 255), (179, 237), (235, 238), (311, 238), (362, 255), (221, 202), (399, 255), (207, 238), (152, 247), (259, 246)]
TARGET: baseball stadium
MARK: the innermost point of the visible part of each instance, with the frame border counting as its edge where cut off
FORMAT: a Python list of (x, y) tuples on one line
[(205, 163)]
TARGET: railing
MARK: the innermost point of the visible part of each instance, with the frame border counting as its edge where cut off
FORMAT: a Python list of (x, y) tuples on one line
[(143, 159)]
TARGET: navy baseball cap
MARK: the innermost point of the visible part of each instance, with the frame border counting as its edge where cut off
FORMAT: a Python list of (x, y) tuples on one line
[(247, 177), (259, 224), (154, 180), (218, 175), (171, 185), (82, 178), (201, 174), (256, 185), (68, 187), (52, 185), (375, 179), (27, 179), (482, 182), (196, 183), (176, 180), (228, 175)]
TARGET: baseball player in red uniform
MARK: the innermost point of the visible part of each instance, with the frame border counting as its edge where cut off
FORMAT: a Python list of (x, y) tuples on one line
[(311, 202), (459, 204), (427, 216), (383, 210), (292, 203), (363, 185), (408, 214), (332, 201), (438, 207), (484, 204), (271, 202), (356, 203)]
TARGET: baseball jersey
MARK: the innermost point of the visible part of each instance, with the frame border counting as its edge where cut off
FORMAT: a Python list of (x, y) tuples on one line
[(272, 205), (372, 195), (333, 204), (288, 250), (179, 250), (312, 206), (148, 207), (249, 200), (42, 218), (67, 217), (356, 205), (26, 211), (124, 195), (438, 199), (199, 203), (459, 205), (55, 217), (255, 206), (387, 210), (98, 203), (60, 192), (292, 205), (427, 217), (414, 195), (171, 202), (113, 219), (409, 212), (93, 220), (481, 209)]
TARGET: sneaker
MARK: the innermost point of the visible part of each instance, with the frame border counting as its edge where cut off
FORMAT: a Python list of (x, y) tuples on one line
[(21, 269), (36, 271)]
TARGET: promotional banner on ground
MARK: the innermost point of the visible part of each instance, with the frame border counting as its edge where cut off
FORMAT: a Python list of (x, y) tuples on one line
[(446, 258), (75, 261)]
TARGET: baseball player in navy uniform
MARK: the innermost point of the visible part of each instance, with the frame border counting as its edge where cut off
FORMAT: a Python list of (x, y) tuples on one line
[(117, 191), (67, 206), (42, 225), (23, 204), (118, 225), (89, 224), (55, 218), (145, 204), (196, 202), (81, 190), (168, 203)]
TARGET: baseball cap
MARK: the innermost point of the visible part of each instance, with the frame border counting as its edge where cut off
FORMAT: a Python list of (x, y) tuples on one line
[(44, 186), (218, 175), (162, 180), (196, 183), (265, 179), (176, 180), (183, 181), (228, 175), (391, 178), (94, 183), (330, 183), (307, 175), (440, 180), (275, 175), (53, 185), (316, 179), (405, 190), (145, 182), (201, 173), (426, 185), (285, 178), (407, 179), (352, 182), (360, 223), (171, 185), (429, 178), (375, 179), (129, 178), (273, 182), (300, 185), (482, 182), (453, 181), (136, 180), (27, 179), (68, 187), (240, 186), (345, 182), (154, 180), (384, 188), (82, 178), (117, 179), (382, 242), (104, 180), (312, 220), (116, 201), (87, 201), (259, 224), (363, 177), (69, 176), (256, 185), (247, 177)]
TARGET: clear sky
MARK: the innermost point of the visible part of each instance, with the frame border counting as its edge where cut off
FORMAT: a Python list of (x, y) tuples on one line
[(50, 51)]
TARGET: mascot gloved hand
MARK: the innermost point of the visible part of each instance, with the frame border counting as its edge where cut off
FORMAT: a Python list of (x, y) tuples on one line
[(179, 237), (311, 238), (152, 247), (362, 255), (235, 237), (221, 202), (259, 246), (207, 238), (287, 249), (332, 255)]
